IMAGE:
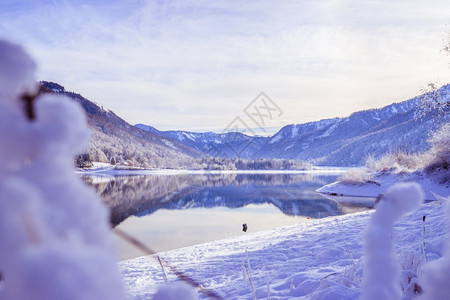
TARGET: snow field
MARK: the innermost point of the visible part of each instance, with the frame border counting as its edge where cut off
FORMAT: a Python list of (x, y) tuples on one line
[(318, 259)]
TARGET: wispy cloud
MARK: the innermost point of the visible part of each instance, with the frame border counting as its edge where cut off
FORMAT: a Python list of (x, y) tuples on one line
[(196, 64)]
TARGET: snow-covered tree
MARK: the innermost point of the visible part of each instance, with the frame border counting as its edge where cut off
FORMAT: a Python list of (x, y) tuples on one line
[(435, 102)]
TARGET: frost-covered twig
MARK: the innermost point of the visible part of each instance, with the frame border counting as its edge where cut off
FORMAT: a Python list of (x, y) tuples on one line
[(162, 268), (424, 249), (440, 199), (355, 269), (268, 287), (249, 274)]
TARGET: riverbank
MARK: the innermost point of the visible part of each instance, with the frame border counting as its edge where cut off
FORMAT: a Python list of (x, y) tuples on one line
[(318, 259)]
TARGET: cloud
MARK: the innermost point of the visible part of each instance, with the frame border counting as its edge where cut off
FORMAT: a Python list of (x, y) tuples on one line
[(175, 64)]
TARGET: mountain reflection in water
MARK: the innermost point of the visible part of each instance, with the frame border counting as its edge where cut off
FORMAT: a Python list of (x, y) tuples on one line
[(140, 195)]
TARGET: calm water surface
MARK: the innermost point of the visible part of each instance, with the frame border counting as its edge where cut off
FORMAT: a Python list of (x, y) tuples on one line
[(173, 211)]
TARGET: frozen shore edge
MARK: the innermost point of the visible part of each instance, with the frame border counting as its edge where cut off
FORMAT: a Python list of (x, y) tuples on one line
[(381, 182)]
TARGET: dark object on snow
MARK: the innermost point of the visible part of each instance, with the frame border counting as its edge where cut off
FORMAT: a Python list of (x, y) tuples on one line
[(417, 289), (28, 105), (379, 198), (244, 227), (423, 219)]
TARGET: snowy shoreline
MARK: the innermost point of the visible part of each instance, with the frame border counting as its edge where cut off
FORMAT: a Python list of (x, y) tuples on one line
[(320, 259), (109, 170), (381, 182), (317, 259)]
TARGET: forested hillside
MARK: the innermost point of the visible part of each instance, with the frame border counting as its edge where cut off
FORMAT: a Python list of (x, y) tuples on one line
[(115, 141)]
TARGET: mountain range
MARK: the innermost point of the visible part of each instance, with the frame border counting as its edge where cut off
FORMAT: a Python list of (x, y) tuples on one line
[(330, 142), (343, 141)]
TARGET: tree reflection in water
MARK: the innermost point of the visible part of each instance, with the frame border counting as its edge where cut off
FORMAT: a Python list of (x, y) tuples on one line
[(292, 194)]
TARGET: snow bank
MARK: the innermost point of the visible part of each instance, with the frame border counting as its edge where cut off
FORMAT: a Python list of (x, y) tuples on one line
[(381, 182), (55, 241)]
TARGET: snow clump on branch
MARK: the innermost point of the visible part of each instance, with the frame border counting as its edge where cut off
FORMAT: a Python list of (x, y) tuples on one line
[(381, 269)]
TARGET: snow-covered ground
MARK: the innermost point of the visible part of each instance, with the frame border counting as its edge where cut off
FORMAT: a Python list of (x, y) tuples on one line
[(316, 259)]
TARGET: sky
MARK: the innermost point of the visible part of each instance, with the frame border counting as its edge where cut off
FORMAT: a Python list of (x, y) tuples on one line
[(198, 65)]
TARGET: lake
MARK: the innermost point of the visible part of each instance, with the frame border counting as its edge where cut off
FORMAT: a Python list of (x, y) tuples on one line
[(169, 211)]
